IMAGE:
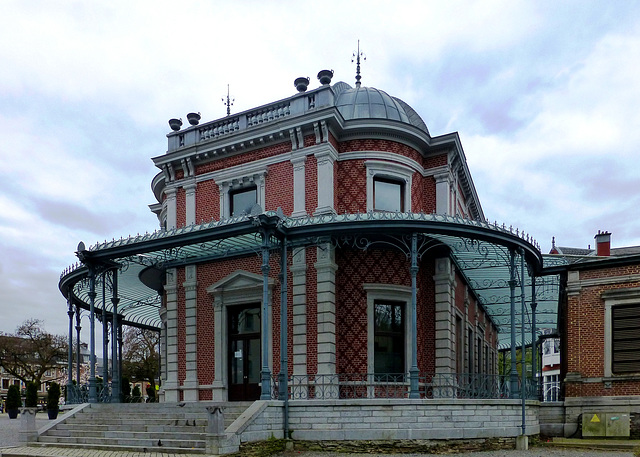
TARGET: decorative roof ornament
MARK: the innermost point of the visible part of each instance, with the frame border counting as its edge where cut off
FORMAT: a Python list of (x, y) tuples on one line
[(356, 57), (228, 102)]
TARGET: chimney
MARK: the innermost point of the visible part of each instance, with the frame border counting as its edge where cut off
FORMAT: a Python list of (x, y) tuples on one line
[(603, 243)]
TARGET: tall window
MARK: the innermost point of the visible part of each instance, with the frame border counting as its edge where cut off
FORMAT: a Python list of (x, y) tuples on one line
[(242, 200), (388, 194), (389, 338), (625, 340)]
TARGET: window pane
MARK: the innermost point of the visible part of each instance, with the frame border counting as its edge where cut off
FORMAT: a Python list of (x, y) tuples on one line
[(389, 338), (387, 195), (243, 200)]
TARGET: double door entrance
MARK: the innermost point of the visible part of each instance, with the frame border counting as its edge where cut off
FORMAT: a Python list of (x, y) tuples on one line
[(244, 352)]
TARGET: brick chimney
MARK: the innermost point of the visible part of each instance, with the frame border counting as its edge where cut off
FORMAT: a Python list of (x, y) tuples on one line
[(603, 243)]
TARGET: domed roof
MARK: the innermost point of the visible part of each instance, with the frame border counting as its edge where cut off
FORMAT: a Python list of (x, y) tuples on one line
[(369, 102)]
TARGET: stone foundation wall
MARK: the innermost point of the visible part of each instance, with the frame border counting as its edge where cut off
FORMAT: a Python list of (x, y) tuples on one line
[(395, 419)]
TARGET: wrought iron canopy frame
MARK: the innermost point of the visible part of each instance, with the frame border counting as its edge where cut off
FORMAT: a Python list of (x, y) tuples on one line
[(480, 250)]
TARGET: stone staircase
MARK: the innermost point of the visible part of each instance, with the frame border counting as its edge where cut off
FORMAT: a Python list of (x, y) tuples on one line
[(151, 427)]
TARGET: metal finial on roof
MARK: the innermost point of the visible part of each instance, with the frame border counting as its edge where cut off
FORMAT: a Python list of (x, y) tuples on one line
[(228, 102), (356, 57)]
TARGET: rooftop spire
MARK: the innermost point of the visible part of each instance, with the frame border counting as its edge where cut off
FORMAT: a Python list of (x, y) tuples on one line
[(356, 57), (228, 102)]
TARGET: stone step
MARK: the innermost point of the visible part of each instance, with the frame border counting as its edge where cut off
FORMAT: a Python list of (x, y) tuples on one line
[(133, 443), (117, 434), (74, 448), (143, 425)]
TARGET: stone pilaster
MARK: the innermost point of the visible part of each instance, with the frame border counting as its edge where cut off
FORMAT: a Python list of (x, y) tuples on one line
[(299, 311), (326, 270), (443, 193), (299, 185), (190, 385), (444, 317), (172, 207), (171, 393), (190, 204), (326, 159)]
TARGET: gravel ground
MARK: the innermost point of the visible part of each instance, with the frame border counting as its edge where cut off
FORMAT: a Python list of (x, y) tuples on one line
[(535, 452)]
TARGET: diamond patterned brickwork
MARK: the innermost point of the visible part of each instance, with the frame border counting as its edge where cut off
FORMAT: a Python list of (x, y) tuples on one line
[(350, 192), (384, 267), (182, 369), (380, 145)]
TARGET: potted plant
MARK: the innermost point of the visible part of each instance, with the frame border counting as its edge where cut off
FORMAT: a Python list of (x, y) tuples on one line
[(53, 398), (31, 398), (14, 402)]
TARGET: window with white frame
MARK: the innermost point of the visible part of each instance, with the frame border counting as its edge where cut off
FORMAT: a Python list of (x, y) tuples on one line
[(242, 200), (388, 328), (388, 186)]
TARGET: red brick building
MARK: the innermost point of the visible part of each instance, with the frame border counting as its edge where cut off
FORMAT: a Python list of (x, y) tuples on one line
[(321, 247)]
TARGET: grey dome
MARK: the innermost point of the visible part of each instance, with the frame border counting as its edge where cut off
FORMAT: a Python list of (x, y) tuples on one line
[(369, 102)]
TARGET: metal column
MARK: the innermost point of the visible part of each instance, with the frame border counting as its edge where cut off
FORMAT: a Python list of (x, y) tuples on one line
[(70, 396), (115, 368), (413, 371), (513, 378), (283, 392), (93, 398), (265, 373)]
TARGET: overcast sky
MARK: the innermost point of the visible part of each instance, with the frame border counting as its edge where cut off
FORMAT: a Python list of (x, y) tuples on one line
[(545, 96)]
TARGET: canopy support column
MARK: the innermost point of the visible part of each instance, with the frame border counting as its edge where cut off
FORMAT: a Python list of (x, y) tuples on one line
[(78, 328), (534, 332), (105, 341), (266, 373), (93, 398), (413, 371), (513, 377), (523, 347), (283, 392), (70, 395), (115, 371)]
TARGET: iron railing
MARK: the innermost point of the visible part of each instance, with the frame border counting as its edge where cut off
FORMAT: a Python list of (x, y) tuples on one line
[(430, 385)]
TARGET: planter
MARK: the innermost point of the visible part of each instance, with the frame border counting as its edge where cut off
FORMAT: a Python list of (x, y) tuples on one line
[(193, 118), (52, 413), (324, 76), (13, 413), (301, 84), (175, 124)]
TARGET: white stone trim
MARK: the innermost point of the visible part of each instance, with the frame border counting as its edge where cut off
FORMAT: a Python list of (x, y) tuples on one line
[(238, 288), (171, 205), (611, 298), (382, 169), (299, 185), (326, 157), (389, 292), (190, 203)]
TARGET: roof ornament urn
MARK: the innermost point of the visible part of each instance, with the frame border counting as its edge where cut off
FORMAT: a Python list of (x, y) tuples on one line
[(175, 124), (301, 83), (193, 118), (324, 76)]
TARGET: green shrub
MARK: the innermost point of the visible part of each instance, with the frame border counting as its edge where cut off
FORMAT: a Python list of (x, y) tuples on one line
[(13, 397), (53, 396), (31, 399)]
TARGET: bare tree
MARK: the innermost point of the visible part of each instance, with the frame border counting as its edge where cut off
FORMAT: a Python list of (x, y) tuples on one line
[(31, 351), (140, 359)]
